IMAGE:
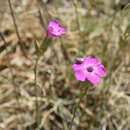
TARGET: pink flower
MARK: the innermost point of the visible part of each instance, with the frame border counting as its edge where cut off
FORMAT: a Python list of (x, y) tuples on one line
[(55, 30), (89, 69)]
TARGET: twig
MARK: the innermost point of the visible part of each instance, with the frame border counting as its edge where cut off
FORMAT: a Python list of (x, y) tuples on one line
[(5, 43)]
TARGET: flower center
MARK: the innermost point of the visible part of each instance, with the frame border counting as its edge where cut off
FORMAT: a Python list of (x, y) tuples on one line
[(90, 69)]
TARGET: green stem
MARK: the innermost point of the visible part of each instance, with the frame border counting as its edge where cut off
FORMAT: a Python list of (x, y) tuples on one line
[(36, 92), (82, 94), (77, 20)]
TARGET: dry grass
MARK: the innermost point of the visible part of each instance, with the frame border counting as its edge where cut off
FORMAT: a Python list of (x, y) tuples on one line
[(95, 28)]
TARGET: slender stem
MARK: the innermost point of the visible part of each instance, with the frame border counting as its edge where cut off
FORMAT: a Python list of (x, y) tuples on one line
[(41, 19), (75, 110), (16, 27), (65, 54), (14, 21), (77, 20), (80, 51), (36, 92), (82, 94)]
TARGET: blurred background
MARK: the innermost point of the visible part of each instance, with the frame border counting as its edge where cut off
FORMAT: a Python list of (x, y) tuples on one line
[(98, 28)]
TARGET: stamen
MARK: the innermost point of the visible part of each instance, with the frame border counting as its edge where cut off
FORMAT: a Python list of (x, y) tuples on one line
[(89, 69)]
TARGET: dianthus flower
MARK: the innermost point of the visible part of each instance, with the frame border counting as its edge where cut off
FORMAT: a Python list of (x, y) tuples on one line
[(89, 69), (55, 30)]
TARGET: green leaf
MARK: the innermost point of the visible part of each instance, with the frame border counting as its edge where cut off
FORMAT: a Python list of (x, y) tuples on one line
[(122, 43), (104, 49), (37, 47), (45, 44)]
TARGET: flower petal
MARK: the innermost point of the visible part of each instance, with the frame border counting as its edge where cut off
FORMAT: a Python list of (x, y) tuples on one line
[(90, 60), (93, 78), (101, 71), (77, 67), (55, 30), (62, 31), (54, 24), (80, 75), (50, 32)]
